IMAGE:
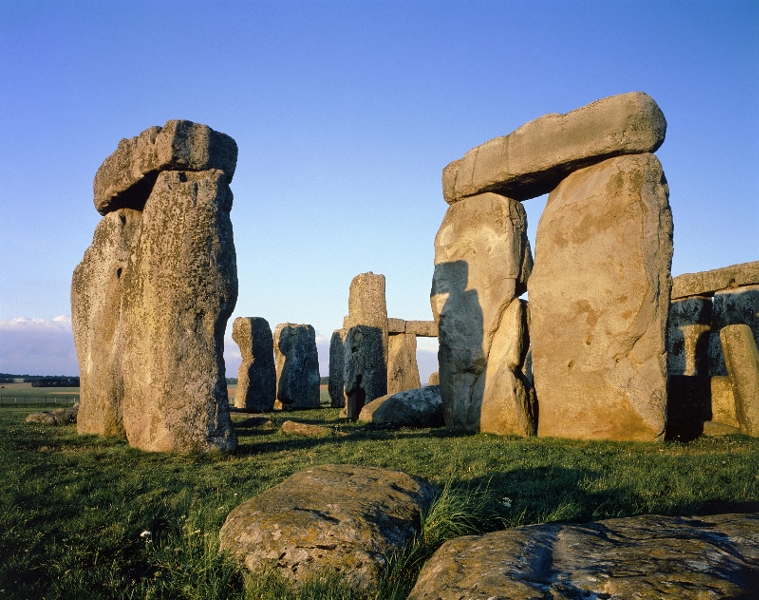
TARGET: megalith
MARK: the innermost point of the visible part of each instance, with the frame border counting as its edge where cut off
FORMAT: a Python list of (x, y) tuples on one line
[(482, 262), (599, 299), (256, 377), (297, 365), (336, 387), (735, 306), (742, 362), (402, 368), (688, 335)]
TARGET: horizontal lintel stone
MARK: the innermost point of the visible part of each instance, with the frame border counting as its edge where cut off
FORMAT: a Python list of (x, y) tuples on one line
[(706, 283)]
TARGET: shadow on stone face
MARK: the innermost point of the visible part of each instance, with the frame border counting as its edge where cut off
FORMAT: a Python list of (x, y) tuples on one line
[(364, 368)]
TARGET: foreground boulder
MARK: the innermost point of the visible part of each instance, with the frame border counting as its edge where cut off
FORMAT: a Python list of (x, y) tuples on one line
[(419, 407), (334, 518), (696, 558), (256, 376)]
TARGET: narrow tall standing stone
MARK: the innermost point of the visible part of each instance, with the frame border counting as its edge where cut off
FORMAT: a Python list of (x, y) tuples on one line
[(256, 377), (297, 364), (336, 365), (742, 361), (402, 369)]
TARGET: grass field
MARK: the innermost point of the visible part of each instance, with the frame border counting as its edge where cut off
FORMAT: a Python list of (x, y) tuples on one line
[(73, 509), (25, 394)]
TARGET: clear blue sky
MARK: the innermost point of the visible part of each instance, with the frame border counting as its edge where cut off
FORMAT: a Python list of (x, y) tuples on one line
[(345, 114)]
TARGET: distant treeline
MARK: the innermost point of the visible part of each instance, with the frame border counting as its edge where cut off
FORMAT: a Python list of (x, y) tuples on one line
[(41, 381)]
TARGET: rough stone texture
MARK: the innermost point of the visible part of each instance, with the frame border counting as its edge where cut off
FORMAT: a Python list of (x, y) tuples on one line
[(297, 362), (687, 336), (57, 416), (341, 518), (696, 558), (336, 386), (256, 377), (723, 402), (180, 289), (97, 288), (508, 402), (434, 379), (706, 283), (402, 370), (367, 305), (420, 407), (482, 262), (534, 158), (126, 177), (422, 328), (731, 307), (742, 361), (312, 431), (599, 301), (365, 370), (396, 326)]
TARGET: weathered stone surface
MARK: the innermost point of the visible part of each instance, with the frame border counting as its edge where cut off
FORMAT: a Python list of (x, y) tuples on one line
[(687, 336), (97, 288), (365, 370), (396, 326), (434, 379), (508, 404), (297, 362), (422, 328), (723, 402), (402, 370), (341, 518), (336, 386), (731, 307), (482, 262), (126, 177), (420, 407), (367, 304), (696, 558), (57, 416), (534, 158), (180, 289), (599, 300), (706, 283), (311, 431), (256, 377), (742, 361)]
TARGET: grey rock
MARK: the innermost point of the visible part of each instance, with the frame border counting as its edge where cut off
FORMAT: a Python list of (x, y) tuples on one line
[(297, 362), (57, 416), (534, 158), (742, 362), (256, 377), (706, 283), (420, 407), (336, 386), (687, 335), (364, 369), (330, 518), (734, 306), (311, 431), (126, 177), (402, 369)]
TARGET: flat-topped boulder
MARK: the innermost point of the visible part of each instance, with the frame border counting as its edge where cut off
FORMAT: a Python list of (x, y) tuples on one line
[(714, 557), (126, 177), (706, 283), (533, 159), (420, 407)]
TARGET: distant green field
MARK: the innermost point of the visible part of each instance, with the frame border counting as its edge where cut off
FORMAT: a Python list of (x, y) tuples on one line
[(39, 396)]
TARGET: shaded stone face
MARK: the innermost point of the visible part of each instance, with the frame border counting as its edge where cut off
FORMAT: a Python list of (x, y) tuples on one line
[(97, 288), (742, 362), (180, 289), (688, 335), (297, 364), (364, 369), (706, 283), (599, 300), (336, 366), (256, 377), (402, 370), (532, 160), (738, 306)]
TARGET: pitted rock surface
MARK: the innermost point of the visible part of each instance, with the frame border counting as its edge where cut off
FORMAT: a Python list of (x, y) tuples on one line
[(697, 558), (742, 360), (297, 363), (420, 407), (534, 158), (339, 518), (402, 369), (256, 376), (706, 283)]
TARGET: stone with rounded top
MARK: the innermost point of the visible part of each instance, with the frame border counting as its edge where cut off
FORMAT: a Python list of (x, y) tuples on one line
[(256, 376), (297, 363), (742, 362)]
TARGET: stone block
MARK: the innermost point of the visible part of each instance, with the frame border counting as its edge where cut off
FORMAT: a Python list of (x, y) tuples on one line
[(402, 369), (396, 326), (742, 362), (687, 335), (731, 307), (365, 368), (723, 402), (706, 283), (422, 328), (297, 364), (336, 386), (256, 376), (418, 407)]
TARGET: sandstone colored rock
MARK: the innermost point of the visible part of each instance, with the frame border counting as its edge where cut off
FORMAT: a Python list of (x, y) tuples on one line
[(339, 518), (297, 363), (723, 402), (97, 288), (57, 416), (482, 262), (180, 289), (336, 386), (364, 369), (533, 159), (422, 328), (706, 283), (742, 361), (420, 407), (367, 305), (731, 307), (649, 556), (687, 335), (311, 431), (402, 369), (434, 379), (256, 376), (599, 300), (126, 177), (396, 326)]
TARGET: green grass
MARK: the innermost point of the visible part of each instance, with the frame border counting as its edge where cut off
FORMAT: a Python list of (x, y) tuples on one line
[(40, 396), (73, 508)]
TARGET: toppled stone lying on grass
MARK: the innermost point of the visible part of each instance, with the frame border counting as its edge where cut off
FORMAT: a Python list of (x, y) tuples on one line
[(57, 416), (312, 431), (649, 556), (330, 518), (420, 407)]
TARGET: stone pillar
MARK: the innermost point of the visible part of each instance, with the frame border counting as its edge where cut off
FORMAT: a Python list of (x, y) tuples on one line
[(336, 365), (687, 335), (731, 307), (256, 377), (402, 369), (297, 364), (599, 301), (742, 362)]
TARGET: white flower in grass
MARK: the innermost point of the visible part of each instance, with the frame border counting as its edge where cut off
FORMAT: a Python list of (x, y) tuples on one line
[(146, 534), (507, 502)]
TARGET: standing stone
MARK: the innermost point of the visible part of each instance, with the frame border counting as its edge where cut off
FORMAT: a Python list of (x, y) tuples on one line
[(367, 304), (297, 363), (402, 369), (482, 262), (723, 402), (599, 300), (687, 335), (365, 373), (742, 362), (97, 288), (256, 377), (732, 307), (179, 292), (336, 385)]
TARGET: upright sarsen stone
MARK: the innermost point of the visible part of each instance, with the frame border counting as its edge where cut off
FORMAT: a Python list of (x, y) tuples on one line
[(599, 300), (336, 386), (256, 377), (297, 363), (179, 292), (402, 369)]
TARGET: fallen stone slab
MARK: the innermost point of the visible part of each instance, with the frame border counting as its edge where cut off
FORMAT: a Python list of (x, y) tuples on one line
[(706, 283), (126, 177), (533, 159), (420, 407), (307, 430), (339, 518), (688, 558), (57, 416)]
